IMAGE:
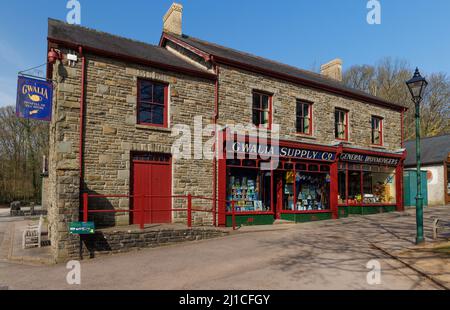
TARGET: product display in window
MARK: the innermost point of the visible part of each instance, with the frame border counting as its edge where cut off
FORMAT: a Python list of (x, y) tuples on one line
[(246, 190), (311, 192)]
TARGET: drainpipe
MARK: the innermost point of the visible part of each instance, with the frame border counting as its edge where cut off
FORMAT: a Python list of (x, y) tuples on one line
[(402, 129), (216, 117), (82, 104)]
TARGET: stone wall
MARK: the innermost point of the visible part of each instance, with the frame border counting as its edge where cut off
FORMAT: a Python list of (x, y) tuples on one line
[(235, 106), (113, 242), (64, 178), (112, 133), (111, 136)]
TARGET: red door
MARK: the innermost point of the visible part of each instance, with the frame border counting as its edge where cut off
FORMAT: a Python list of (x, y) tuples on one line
[(152, 178)]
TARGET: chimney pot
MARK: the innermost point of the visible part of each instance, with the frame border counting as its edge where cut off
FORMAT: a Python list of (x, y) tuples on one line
[(173, 19), (332, 69)]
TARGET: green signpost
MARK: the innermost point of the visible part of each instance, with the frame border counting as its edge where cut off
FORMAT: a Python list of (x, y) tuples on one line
[(81, 228)]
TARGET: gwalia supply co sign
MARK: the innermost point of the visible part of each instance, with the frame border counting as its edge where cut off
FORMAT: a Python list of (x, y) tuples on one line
[(34, 99)]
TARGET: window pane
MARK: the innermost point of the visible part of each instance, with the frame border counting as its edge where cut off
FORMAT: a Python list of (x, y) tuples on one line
[(151, 113), (354, 187), (256, 117), (342, 187), (306, 110), (265, 102), (256, 101), (265, 118), (158, 93), (146, 89)]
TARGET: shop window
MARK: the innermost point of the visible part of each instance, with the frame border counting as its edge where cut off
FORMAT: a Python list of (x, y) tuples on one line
[(354, 186), (341, 124), (301, 167), (367, 184), (289, 166), (250, 190), (324, 168), (313, 168), (377, 130), (152, 103), (342, 185), (249, 163), (312, 192), (304, 117), (379, 187), (262, 107), (234, 162)]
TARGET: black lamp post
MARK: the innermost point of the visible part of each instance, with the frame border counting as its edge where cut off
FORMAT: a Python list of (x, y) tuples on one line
[(417, 86)]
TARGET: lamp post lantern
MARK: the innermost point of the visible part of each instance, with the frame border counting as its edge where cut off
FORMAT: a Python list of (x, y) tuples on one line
[(417, 86)]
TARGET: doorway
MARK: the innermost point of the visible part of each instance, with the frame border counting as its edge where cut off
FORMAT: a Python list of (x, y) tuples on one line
[(152, 188)]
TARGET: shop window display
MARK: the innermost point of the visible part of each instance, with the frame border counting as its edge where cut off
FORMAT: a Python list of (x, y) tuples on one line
[(305, 191), (366, 184), (249, 189)]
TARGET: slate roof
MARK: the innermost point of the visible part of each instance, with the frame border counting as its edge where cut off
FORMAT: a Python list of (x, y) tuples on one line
[(433, 150), (277, 67), (101, 41)]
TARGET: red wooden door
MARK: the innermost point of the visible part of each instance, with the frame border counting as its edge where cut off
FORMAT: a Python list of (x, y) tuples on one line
[(151, 178)]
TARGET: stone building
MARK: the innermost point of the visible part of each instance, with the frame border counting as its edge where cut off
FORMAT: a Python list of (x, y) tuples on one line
[(118, 105)]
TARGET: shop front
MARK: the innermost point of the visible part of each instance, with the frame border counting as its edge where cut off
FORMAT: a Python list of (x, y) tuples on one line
[(369, 182), (297, 183), (304, 182)]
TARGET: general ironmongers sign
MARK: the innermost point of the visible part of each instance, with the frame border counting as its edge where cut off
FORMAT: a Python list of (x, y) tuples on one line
[(283, 151), (369, 159)]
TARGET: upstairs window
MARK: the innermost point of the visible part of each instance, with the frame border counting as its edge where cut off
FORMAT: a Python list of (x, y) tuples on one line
[(152, 103), (304, 117), (341, 124), (262, 110), (377, 130)]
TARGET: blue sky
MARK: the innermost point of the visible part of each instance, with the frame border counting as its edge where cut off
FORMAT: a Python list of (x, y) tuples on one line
[(303, 33)]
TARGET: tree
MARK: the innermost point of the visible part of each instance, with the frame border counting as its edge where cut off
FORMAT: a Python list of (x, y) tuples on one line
[(22, 145), (387, 80)]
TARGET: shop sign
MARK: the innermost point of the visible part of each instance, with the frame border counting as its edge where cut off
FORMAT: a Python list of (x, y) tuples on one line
[(283, 151), (81, 228), (370, 160), (34, 99)]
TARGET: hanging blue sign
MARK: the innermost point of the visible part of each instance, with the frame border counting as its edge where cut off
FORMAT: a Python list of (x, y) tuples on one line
[(34, 99)]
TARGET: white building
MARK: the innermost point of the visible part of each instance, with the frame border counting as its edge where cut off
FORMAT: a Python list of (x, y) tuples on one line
[(435, 157)]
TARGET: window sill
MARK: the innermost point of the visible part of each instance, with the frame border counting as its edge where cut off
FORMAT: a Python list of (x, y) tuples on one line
[(153, 128), (343, 142), (377, 146), (305, 136)]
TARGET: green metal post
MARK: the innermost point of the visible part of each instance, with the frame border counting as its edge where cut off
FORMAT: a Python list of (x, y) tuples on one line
[(419, 199)]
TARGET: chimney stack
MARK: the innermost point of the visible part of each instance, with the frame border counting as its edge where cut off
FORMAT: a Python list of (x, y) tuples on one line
[(173, 19), (332, 69)]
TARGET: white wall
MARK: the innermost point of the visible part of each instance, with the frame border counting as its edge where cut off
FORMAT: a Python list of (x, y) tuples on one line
[(436, 185)]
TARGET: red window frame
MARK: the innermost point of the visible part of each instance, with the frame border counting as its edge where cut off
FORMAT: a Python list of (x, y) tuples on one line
[(378, 130), (261, 110), (338, 110), (165, 104), (302, 116)]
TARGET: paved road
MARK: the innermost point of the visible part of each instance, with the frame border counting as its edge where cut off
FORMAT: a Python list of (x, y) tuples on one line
[(320, 255)]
